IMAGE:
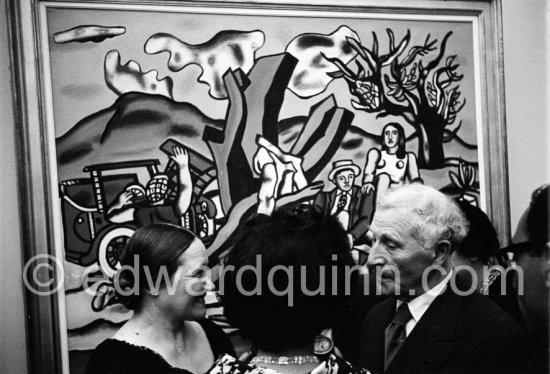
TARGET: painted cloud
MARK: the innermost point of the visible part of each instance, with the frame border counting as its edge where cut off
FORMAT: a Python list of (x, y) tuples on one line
[(226, 50), (310, 76), (129, 77), (83, 34)]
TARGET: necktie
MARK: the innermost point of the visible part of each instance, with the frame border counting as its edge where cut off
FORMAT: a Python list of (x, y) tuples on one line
[(395, 333), (342, 200)]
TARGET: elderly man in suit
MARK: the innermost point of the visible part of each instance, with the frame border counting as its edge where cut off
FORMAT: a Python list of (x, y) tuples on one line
[(432, 323), (346, 202)]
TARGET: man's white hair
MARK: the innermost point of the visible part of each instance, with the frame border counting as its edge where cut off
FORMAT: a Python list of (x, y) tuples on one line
[(437, 216)]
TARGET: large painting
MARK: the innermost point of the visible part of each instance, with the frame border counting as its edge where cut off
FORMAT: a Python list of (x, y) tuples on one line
[(201, 116)]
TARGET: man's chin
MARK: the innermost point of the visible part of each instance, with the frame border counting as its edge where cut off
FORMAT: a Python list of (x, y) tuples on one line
[(385, 286)]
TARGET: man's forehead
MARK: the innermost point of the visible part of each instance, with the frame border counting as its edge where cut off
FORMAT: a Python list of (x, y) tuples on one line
[(392, 218)]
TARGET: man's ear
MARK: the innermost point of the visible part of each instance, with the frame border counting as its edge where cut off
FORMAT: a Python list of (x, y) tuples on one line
[(442, 252)]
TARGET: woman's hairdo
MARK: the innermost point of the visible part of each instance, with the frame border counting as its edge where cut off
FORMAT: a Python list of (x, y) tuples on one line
[(482, 239), (295, 237), (537, 217), (152, 247)]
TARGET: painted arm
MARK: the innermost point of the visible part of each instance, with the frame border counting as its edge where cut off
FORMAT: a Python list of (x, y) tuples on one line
[(119, 211), (320, 202), (185, 186), (266, 195), (264, 165), (370, 170), (412, 170), (365, 212)]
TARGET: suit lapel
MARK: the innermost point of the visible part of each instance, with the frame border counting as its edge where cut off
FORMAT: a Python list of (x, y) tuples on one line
[(373, 355), (433, 338), (331, 200), (353, 214)]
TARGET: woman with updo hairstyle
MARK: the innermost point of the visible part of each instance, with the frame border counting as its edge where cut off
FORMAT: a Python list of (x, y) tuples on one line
[(162, 279), (480, 262), (531, 250), (285, 282)]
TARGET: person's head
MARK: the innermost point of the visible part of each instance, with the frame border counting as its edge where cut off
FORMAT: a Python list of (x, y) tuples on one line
[(481, 242), (298, 285), (532, 231), (415, 227), (163, 265), (343, 174), (394, 138), (537, 217)]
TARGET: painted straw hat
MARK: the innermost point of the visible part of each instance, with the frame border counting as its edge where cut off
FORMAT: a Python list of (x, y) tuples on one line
[(343, 165)]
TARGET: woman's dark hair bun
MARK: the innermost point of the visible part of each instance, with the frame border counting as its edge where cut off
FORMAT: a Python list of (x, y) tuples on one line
[(126, 293), (152, 248)]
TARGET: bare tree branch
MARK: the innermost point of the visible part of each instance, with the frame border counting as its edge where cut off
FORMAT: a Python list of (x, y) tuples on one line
[(395, 52), (437, 60), (452, 133), (367, 55), (374, 44), (419, 51)]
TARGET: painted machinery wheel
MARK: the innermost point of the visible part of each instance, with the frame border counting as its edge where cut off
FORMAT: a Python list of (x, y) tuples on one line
[(111, 249)]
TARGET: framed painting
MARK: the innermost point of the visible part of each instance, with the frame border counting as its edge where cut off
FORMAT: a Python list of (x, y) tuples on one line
[(201, 113)]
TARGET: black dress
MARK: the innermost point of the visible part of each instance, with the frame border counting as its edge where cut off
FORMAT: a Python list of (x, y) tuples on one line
[(117, 357)]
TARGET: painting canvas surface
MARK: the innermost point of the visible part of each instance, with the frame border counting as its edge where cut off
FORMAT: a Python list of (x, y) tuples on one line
[(250, 110)]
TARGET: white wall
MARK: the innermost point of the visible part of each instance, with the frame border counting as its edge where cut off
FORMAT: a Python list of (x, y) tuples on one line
[(528, 156), (13, 359), (526, 71)]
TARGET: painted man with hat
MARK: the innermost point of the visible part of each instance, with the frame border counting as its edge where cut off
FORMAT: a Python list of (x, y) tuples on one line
[(352, 208)]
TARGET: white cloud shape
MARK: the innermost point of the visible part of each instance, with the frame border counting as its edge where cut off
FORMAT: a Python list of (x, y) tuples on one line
[(129, 77), (83, 34), (226, 50), (310, 75)]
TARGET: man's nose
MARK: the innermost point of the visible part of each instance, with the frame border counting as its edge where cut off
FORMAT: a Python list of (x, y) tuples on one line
[(376, 257)]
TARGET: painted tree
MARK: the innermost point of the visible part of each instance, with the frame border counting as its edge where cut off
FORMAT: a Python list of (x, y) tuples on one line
[(421, 91)]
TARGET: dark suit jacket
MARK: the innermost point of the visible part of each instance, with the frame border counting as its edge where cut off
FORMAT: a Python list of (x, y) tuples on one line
[(360, 210), (457, 334)]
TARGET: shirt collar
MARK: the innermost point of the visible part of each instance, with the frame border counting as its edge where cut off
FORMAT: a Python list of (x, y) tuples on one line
[(340, 192), (420, 304)]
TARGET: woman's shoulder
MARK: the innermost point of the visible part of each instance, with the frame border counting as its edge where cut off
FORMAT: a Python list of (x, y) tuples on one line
[(112, 349), (375, 152), (117, 356), (111, 356), (411, 156)]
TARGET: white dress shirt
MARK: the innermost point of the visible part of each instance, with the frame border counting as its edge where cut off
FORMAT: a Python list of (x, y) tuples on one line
[(420, 304)]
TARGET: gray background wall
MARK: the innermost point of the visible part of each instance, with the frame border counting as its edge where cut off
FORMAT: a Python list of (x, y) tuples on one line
[(13, 358), (525, 48)]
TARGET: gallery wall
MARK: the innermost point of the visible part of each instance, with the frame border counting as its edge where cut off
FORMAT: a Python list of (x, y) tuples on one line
[(13, 357), (526, 74), (527, 127)]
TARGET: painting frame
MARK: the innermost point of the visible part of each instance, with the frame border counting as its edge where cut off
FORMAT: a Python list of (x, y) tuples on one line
[(36, 140)]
